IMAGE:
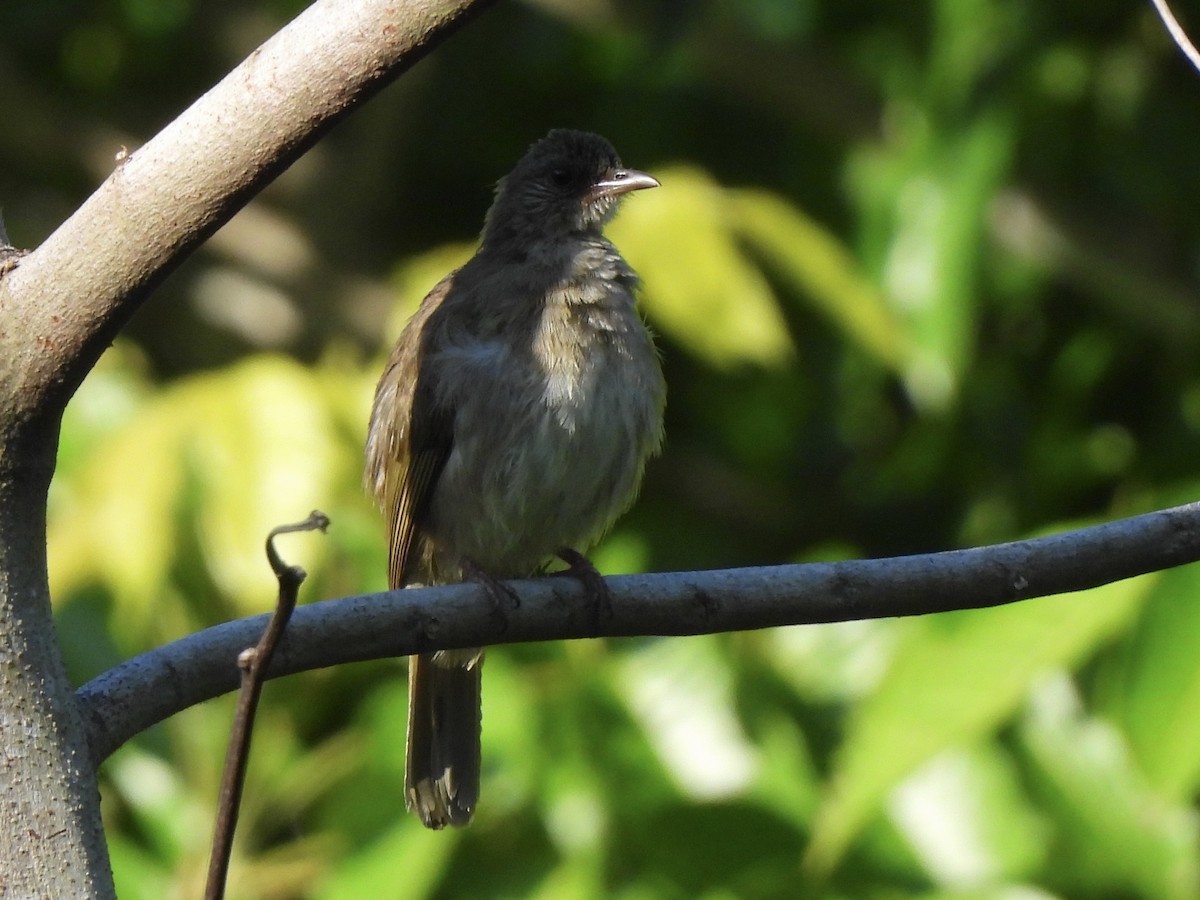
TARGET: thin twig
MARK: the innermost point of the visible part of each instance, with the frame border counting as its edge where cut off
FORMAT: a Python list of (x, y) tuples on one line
[(253, 662), (1177, 33)]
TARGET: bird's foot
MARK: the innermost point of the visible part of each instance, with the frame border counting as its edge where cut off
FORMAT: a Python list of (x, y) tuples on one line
[(503, 598), (594, 587)]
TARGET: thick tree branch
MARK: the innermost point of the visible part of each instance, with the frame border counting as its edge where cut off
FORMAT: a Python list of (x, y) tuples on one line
[(155, 685), (62, 304), (67, 299)]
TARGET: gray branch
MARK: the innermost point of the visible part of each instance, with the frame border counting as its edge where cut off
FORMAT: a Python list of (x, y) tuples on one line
[(60, 307), (68, 298), (149, 688)]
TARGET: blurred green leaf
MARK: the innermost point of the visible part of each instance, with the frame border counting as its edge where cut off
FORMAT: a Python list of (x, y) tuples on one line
[(996, 892), (139, 874), (157, 796), (1117, 836), (816, 263), (700, 289), (406, 863), (681, 691), (247, 449), (1157, 700), (571, 880), (266, 454), (130, 484), (969, 820), (955, 678), (926, 200), (116, 388)]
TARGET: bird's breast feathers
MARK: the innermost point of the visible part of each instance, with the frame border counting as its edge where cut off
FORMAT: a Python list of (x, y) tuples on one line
[(566, 424)]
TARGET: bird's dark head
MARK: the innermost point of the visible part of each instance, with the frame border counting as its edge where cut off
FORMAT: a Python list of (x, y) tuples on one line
[(568, 182)]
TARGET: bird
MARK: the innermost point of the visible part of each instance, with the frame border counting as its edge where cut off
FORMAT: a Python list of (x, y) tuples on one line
[(512, 424)]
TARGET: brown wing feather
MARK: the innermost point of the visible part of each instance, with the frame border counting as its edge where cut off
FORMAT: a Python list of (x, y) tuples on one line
[(409, 442), (406, 513)]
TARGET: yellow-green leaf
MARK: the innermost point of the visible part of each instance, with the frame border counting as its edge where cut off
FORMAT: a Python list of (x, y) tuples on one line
[(700, 289)]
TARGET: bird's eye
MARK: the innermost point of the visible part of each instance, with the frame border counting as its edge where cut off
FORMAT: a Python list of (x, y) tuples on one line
[(560, 177)]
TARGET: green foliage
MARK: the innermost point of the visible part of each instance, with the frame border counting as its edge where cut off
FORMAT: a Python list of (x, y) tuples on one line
[(923, 276), (920, 709), (688, 252)]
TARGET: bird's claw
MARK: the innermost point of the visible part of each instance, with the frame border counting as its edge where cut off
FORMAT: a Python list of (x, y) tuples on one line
[(594, 586), (503, 598)]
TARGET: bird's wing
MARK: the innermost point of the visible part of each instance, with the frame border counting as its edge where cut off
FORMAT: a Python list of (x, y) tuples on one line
[(410, 504), (410, 441)]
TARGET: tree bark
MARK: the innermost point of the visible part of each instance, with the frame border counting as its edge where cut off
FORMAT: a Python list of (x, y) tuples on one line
[(61, 306), (51, 839)]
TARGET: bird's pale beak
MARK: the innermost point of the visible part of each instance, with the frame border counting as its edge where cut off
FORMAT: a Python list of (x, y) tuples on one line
[(622, 181)]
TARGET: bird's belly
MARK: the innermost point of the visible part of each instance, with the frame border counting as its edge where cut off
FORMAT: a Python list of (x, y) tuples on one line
[(549, 468)]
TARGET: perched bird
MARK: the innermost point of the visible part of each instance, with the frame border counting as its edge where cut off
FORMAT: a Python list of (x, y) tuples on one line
[(512, 424)]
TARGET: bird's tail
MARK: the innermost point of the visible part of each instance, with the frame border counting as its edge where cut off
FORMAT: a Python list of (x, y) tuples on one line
[(441, 778)]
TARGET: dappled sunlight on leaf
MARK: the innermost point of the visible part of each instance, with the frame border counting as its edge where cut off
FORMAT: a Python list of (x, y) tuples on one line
[(681, 692), (116, 388), (925, 200), (925, 704), (247, 448), (1116, 832), (822, 269), (967, 818), (121, 525), (838, 661), (265, 456)]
